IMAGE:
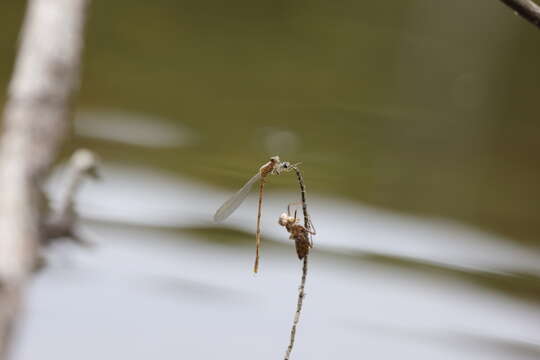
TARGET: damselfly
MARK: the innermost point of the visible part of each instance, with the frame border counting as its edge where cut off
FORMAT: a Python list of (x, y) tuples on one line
[(275, 166)]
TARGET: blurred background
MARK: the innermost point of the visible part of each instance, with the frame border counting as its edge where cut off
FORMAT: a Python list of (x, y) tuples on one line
[(416, 125)]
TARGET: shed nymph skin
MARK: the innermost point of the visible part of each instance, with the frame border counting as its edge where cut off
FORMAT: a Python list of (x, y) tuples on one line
[(299, 234)]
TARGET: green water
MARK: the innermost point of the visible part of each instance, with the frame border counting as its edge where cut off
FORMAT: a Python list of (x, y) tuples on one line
[(418, 106)]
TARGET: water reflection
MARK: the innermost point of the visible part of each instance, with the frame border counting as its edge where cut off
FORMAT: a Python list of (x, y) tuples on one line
[(159, 285), (342, 225), (132, 129)]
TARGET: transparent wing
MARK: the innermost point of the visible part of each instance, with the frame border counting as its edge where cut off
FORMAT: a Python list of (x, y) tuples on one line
[(234, 202)]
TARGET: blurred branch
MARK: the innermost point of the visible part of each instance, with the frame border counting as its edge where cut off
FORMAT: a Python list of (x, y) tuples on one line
[(60, 223), (527, 9), (35, 123)]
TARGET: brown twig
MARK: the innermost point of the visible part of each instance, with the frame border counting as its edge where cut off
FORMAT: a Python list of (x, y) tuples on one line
[(301, 293), (527, 9), (36, 119), (307, 219)]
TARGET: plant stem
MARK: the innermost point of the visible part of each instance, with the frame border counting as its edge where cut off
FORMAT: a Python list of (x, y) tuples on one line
[(301, 293)]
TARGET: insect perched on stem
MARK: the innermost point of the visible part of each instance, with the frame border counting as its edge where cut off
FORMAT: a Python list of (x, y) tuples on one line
[(299, 233), (273, 167)]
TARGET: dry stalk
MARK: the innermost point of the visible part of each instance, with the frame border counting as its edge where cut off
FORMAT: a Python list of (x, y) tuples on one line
[(301, 294)]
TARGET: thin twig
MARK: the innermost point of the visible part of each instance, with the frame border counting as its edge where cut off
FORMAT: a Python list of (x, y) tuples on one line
[(307, 219), (301, 293), (527, 9)]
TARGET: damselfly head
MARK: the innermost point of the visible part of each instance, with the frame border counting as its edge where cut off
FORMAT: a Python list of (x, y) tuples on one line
[(282, 166), (278, 166), (283, 219)]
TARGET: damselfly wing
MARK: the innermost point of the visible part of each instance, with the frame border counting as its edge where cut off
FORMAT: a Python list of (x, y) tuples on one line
[(234, 201)]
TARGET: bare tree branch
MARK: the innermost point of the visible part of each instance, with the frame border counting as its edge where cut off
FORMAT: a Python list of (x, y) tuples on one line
[(35, 123), (60, 223), (527, 9)]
